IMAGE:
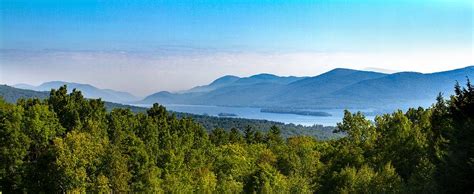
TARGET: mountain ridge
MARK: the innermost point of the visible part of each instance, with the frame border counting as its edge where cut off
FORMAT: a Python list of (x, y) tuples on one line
[(88, 90), (338, 88)]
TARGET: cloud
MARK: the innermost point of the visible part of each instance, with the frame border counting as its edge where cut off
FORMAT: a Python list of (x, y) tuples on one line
[(143, 73)]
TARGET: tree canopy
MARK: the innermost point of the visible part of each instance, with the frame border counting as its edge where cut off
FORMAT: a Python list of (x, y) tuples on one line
[(67, 143)]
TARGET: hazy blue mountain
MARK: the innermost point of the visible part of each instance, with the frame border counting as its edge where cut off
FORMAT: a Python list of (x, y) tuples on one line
[(24, 86), (240, 95), (228, 79), (322, 85), (381, 70), (266, 89), (338, 88), (220, 82), (246, 90), (266, 78), (233, 81), (87, 90), (405, 88), (164, 97)]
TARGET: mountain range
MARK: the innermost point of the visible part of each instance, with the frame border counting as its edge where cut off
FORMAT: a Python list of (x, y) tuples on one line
[(338, 88), (87, 90)]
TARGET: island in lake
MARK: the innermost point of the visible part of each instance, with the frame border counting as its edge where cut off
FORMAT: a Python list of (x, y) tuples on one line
[(296, 112), (227, 114)]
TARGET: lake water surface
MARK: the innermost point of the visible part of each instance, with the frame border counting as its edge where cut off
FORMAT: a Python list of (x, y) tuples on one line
[(254, 113)]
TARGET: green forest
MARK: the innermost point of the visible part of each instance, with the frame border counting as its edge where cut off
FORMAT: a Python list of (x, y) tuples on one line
[(67, 143), (11, 94)]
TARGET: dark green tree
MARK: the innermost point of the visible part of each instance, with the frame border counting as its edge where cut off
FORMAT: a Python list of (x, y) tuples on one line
[(14, 146), (249, 134), (219, 136), (459, 167), (274, 136), (235, 136)]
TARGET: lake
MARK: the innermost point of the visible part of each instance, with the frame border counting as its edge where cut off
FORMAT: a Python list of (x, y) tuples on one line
[(254, 113)]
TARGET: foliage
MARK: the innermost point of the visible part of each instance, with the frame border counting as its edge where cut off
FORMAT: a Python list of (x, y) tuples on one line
[(67, 143), (210, 123)]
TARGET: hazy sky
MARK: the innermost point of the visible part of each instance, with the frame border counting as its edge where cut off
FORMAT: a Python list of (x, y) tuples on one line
[(146, 46)]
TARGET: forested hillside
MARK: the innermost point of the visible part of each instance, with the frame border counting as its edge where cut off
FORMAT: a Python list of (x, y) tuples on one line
[(12, 94), (67, 143), (261, 126)]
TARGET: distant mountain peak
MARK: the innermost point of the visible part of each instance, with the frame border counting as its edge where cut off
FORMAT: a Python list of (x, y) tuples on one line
[(408, 73), (338, 88), (380, 70), (55, 84), (161, 94), (23, 86), (341, 70), (264, 76), (89, 91), (224, 79), (345, 71), (59, 83)]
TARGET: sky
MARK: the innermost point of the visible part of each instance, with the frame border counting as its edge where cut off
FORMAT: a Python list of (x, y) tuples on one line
[(147, 46)]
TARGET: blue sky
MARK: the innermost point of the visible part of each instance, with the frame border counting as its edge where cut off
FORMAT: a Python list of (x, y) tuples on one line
[(206, 30), (262, 25)]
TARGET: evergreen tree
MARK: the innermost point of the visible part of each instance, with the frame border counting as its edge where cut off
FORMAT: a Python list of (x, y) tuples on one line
[(274, 136), (67, 143), (235, 136), (219, 137), (459, 166), (249, 134)]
